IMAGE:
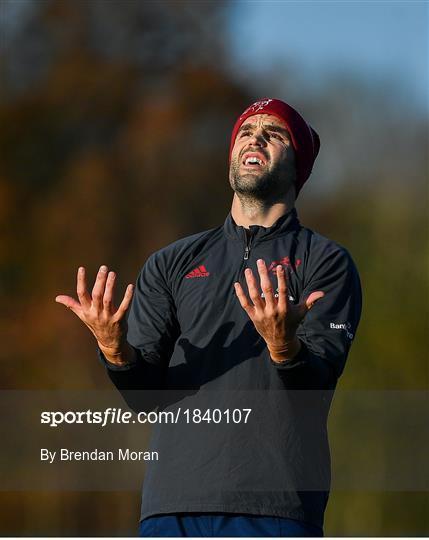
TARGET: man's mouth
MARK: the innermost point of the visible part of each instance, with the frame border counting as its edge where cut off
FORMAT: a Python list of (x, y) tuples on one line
[(253, 160)]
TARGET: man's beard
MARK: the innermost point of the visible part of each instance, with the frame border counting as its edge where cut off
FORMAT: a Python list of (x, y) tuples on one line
[(266, 186)]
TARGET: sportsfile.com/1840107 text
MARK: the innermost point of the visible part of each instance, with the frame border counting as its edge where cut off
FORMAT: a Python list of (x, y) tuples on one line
[(111, 416)]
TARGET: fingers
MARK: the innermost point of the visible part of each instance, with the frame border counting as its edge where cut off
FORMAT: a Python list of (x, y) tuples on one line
[(82, 293), (69, 302), (108, 292), (242, 298), (266, 285), (101, 298), (125, 304), (253, 289), (305, 307), (98, 289), (313, 298), (282, 303)]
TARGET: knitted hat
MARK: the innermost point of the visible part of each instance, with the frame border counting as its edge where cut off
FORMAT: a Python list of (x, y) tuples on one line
[(305, 140)]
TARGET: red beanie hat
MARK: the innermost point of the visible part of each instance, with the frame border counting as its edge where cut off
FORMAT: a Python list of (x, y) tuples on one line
[(305, 140)]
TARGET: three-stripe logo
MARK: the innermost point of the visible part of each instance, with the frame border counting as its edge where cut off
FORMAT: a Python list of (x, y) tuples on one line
[(198, 272)]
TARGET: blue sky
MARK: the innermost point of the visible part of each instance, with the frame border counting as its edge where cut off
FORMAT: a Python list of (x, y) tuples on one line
[(373, 40)]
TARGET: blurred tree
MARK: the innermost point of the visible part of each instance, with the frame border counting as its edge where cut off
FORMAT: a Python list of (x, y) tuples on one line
[(95, 152)]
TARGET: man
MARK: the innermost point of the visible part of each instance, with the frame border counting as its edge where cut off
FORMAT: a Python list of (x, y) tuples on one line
[(255, 316)]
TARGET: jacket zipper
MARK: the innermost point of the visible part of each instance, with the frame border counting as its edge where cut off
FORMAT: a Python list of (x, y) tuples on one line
[(247, 246)]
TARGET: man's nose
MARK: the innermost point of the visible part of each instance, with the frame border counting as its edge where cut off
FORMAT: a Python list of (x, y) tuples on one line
[(258, 138)]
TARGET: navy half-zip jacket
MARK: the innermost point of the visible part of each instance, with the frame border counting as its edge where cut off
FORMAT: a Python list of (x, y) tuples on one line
[(198, 347)]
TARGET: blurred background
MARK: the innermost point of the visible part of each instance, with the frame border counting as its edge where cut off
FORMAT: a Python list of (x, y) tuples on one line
[(115, 119)]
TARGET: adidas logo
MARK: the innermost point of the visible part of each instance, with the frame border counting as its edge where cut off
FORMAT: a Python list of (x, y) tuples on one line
[(198, 272)]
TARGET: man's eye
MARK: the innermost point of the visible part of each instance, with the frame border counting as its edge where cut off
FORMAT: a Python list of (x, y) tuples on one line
[(277, 136), (244, 133)]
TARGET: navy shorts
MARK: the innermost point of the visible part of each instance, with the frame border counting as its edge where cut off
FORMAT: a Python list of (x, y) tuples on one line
[(218, 525)]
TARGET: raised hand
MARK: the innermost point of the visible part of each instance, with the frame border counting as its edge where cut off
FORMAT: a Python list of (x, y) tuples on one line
[(276, 319), (97, 312)]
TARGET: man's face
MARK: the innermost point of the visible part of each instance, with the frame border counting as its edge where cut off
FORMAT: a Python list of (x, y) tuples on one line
[(262, 159)]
